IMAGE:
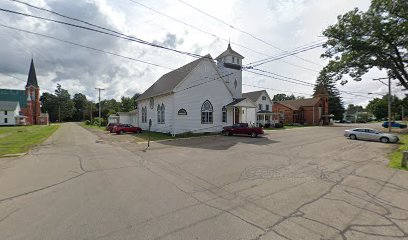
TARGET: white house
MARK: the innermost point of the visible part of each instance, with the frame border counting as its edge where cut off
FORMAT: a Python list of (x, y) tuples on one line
[(10, 113), (201, 96), (125, 118), (263, 106)]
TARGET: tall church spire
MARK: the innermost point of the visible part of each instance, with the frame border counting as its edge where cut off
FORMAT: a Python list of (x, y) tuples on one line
[(32, 77)]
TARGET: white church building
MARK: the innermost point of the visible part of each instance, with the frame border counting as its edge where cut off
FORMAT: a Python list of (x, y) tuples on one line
[(201, 96)]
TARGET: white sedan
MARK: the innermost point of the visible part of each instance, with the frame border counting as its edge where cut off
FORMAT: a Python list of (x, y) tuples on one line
[(370, 134)]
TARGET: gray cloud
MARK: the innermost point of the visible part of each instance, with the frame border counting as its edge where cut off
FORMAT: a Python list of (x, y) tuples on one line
[(171, 40)]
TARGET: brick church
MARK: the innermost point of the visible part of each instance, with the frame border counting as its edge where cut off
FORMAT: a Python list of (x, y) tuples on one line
[(23, 107), (309, 111)]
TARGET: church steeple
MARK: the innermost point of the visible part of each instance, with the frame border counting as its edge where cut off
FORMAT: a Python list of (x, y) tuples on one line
[(32, 77)]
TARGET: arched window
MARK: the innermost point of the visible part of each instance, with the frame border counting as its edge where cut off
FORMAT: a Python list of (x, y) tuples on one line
[(224, 114), (207, 113), (158, 114), (182, 112), (163, 111), (144, 114)]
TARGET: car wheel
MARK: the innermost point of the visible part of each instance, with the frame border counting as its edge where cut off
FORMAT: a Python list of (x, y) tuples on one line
[(353, 137), (138, 131), (121, 132), (384, 140), (254, 134), (228, 133)]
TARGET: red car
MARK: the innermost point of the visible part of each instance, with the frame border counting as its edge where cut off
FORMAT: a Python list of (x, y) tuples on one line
[(110, 126), (122, 128), (242, 128)]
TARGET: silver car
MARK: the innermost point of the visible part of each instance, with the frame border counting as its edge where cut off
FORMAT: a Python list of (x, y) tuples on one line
[(370, 134)]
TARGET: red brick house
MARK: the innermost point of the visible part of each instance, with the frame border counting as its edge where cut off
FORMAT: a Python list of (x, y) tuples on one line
[(309, 111)]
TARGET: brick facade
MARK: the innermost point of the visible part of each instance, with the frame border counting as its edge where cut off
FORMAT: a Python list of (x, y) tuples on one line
[(310, 111)]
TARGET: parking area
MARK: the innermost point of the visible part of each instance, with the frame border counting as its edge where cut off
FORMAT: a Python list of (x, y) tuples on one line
[(305, 183)]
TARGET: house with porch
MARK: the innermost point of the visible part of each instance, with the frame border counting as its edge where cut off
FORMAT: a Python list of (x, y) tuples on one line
[(201, 96), (309, 111), (263, 103)]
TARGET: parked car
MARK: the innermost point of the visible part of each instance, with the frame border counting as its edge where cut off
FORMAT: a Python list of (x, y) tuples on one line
[(394, 125), (124, 128), (110, 126), (242, 128), (370, 134)]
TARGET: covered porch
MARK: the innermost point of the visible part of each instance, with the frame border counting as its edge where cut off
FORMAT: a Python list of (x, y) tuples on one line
[(242, 111), (265, 117)]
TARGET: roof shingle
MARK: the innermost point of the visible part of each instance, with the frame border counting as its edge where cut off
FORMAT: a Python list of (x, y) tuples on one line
[(170, 80), (298, 103)]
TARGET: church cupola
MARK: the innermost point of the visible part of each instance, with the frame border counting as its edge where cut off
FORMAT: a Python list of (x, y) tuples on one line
[(229, 64)]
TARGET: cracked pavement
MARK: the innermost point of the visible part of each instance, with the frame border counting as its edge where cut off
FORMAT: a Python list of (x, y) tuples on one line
[(309, 183)]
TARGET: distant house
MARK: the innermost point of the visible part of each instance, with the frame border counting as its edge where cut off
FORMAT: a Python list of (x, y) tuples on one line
[(201, 96), (309, 111), (28, 99), (10, 113), (263, 105), (125, 118)]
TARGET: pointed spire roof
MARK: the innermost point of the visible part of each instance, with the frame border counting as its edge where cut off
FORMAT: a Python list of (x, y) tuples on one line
[(229, 51), (32, 77), (321, 90)]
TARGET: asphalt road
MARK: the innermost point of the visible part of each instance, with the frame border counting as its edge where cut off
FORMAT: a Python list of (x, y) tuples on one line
[(308, 183)]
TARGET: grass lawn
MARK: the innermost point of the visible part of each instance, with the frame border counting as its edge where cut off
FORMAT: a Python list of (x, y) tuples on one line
[(396, 155), (102, 128), (20, 139)]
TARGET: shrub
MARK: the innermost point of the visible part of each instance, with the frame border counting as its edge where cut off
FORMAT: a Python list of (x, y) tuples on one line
[(267, 125), (99, 121), (87, 122), (278, 125)]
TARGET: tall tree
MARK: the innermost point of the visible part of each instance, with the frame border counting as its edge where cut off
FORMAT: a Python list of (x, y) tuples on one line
[(80, 104), (335, 102), (378, 107), (127, 104), (49, 104), (282, 97), (377, 38), (65, 104)]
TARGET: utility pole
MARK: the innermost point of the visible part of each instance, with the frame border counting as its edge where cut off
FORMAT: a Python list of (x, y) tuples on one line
[(389, 105), (389, 99), (99, 89)]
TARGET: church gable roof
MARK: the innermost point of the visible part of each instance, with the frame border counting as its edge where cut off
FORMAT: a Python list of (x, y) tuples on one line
[(12, 95), (298, 103), (227, 52), (170, 80), (32, 77)]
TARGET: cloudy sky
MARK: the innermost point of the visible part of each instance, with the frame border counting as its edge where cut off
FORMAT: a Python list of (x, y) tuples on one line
[(281, 24)]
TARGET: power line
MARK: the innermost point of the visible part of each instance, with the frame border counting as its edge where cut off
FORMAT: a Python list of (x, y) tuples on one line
[(117, 35), (242, 31), (214, 35), (84, 46), (121, 34), (267, 60)]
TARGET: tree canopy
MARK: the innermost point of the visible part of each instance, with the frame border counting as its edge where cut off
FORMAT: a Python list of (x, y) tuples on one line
[(360, 41), (282, 97), (79, 108)]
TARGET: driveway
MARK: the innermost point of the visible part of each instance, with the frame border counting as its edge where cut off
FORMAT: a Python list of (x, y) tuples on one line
[(308, 183)]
